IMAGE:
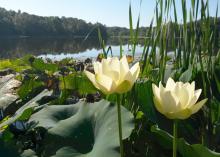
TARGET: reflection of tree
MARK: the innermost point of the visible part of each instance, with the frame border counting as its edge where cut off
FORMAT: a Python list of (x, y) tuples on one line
[(18, 47), (11, 48)]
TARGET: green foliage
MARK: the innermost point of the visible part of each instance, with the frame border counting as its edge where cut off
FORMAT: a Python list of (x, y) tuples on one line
[(217, 78), (7, 135), (186, 75), (5, 64), (144, 99), (17, 65), (24, 112), (133, 35), (193, 56), (88, 129), (78, 82), (139, 115), (28, 86), (40, 65), (184, 148)]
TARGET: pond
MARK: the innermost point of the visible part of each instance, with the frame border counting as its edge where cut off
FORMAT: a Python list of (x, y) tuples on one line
[(59, 48)]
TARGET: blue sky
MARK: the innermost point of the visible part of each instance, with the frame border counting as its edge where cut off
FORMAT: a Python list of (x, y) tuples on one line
[(108, 12)]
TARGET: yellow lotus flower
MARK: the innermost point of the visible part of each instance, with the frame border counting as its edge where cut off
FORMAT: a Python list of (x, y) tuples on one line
[(177, 100), (113, 75)]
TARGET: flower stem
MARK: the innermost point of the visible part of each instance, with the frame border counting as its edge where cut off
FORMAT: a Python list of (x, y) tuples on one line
[(119, 125), (64, 83), (175, 125)]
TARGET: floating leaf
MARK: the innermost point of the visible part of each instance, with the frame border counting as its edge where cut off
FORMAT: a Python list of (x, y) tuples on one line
[(28, 86), (28, 153), (24, 111), (85, 129), (15, 64), (77, 82), (39, 64)]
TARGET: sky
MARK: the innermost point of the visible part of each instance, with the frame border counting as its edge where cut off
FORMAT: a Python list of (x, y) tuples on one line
[(108, 12)]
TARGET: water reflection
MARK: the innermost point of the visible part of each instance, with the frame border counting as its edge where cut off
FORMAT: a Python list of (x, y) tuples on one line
[(59, 48), (93, 53), (18, 47)]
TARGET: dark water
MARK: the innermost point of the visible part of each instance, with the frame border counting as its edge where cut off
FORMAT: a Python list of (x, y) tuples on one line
[(57, 48)]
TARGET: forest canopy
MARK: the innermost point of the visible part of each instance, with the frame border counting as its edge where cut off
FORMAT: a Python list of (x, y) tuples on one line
[(19, 23), (23, 24)]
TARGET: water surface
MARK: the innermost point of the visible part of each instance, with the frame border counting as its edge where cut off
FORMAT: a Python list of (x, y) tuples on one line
[(59, 48)]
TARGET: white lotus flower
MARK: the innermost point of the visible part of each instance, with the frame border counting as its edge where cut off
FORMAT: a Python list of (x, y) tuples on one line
[(177, 100), (113, 75)]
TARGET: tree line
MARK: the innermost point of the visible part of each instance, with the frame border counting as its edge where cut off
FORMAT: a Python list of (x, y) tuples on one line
[(19, 23)]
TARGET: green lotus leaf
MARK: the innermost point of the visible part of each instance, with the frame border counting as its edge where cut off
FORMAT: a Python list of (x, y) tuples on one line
[(40, 65), (25, 111), (28, 153), (82, 129), (78, 82)]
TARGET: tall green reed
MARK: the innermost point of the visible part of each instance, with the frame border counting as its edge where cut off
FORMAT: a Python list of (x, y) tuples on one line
[(194, 41)]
